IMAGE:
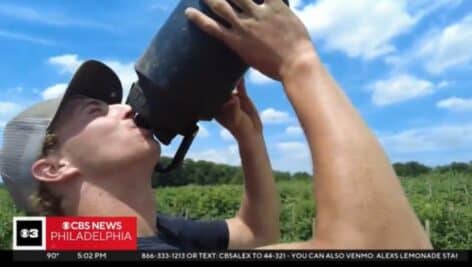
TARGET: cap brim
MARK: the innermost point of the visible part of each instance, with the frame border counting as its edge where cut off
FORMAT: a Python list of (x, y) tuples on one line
[(95, 80)]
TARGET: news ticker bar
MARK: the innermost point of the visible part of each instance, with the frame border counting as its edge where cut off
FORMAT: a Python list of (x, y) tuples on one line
[(255, 255)]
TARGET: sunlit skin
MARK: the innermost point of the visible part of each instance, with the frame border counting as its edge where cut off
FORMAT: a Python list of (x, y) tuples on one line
[(360, 202), (103, 165)]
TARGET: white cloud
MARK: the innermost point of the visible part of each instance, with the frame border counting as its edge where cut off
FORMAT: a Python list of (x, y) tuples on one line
[(228, 155), (226, 135), (292, 156), (54, 91), (444, 84), (125, 72), (297, 149), (439, 49), (425, 7), (8, 107), (444, 49), (294, 4), (50, 17), (7, 111), (294, 131), (364, 28), (67, 63), (202, 131), (26, 38), (159, 5), (258, 78), (399, 88), (273, 116), (456, 104), (429, 139)]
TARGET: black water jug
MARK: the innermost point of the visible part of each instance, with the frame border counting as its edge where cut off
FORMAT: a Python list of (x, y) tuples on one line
[(184, 76)]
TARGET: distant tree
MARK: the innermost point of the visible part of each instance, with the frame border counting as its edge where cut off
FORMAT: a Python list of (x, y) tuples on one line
[(410, 169), (209, 173), (238, 176), (460, 167), (282, 176), (301, 176)]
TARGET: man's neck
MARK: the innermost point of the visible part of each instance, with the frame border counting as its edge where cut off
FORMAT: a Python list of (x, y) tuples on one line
[(117, 196)]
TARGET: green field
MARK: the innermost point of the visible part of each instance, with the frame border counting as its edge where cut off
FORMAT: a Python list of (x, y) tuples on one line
[(441, 200)]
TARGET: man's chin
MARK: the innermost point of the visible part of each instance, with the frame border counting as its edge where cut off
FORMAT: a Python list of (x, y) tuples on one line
[(153, 155)]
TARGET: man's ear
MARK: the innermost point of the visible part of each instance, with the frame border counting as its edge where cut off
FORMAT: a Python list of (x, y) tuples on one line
[(53, 170)]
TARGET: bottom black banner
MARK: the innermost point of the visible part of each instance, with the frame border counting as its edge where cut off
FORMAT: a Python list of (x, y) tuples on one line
[(252, 255)]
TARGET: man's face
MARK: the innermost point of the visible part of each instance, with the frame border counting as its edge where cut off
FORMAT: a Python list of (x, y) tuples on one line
[(101, 139)]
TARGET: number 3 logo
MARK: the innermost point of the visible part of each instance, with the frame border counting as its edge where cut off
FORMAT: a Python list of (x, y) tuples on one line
[(29, 233)]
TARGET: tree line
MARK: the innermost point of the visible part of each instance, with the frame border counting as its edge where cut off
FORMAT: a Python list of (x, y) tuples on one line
[(413, 168), (208, 173)]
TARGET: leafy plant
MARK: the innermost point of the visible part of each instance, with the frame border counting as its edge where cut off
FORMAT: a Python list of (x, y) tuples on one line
[(441, 200)]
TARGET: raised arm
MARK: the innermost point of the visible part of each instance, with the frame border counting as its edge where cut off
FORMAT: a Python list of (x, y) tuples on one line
[(257, 221), (360, 202)]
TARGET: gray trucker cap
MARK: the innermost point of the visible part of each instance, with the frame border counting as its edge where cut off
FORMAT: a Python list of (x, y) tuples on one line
[(24, 135)]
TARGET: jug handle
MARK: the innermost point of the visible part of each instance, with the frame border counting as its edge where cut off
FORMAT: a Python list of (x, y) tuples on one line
[(181, 152)]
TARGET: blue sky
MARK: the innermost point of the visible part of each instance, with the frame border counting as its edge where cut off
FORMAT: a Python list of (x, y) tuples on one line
[(406, 66)]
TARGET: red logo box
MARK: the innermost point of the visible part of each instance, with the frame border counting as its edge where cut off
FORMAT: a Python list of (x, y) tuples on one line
[(91, 233)]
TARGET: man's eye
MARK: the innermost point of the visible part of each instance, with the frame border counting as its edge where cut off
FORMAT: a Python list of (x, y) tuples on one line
[(94, 110)]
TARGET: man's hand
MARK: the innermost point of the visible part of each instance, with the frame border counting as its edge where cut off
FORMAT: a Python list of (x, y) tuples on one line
[(239, 115), (257, 221), (268, 37)]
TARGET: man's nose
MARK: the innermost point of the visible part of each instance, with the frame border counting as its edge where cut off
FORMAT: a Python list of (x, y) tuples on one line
[(124, 111)]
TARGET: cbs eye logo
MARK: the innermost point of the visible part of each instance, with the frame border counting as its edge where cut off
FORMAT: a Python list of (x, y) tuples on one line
[(29, 233)]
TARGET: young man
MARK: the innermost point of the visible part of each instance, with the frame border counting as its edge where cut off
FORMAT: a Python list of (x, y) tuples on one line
[(101, 157), (82, 155)]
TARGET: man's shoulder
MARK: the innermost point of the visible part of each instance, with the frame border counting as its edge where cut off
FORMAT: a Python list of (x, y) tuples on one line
[(154, 243), (186, 233)]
